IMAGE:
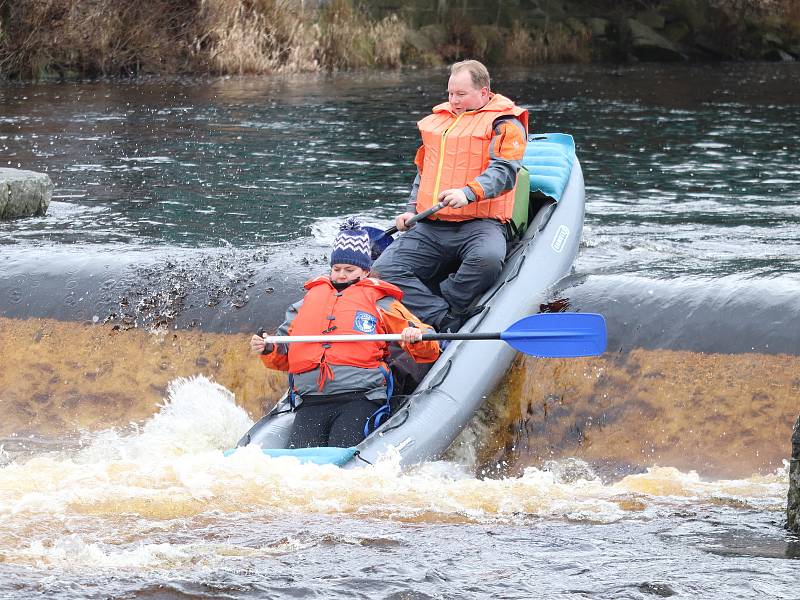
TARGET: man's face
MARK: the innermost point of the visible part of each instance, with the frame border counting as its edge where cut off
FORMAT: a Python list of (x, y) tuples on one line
[(463, 94)]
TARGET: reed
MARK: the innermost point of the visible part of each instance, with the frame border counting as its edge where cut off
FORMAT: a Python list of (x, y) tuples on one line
[(42, 38), (263, 36), (99, 38), (67, 38), (555, 44), (348, 39)]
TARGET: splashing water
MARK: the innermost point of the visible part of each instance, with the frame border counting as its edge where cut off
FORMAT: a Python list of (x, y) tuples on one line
[(157, 501), (198, 415)]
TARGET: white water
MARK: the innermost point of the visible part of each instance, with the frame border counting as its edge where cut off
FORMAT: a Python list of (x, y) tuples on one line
[(153, 479)]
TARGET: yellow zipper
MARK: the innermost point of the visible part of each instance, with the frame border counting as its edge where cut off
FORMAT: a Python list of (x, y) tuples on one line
[(441, 159)]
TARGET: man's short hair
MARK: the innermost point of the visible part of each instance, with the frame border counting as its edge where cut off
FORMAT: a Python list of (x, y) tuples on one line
[(478, 72)]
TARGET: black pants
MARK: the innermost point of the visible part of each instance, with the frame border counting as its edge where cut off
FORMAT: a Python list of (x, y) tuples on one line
[(335, 421)]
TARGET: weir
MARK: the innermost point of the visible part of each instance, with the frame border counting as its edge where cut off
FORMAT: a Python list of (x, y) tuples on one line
[(62, 378), (723, 415)]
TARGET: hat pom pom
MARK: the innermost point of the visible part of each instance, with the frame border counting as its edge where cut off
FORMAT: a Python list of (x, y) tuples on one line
[(351, 224)]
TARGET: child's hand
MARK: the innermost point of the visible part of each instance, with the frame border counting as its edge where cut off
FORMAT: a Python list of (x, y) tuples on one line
[(411, 335)]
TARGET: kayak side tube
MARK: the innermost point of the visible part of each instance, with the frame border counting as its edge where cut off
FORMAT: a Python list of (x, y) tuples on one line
[(468, 372)]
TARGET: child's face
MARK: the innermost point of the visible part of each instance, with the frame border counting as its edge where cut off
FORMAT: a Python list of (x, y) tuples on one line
[(341, 273)]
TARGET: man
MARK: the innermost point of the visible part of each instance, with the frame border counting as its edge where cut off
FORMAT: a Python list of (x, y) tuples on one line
[(341, 389), (472, 148)]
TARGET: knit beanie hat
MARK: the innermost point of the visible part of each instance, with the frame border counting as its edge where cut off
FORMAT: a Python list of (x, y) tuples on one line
[(352, 246)]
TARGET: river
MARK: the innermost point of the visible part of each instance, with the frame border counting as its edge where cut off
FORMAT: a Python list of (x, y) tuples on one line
[(188, 212)]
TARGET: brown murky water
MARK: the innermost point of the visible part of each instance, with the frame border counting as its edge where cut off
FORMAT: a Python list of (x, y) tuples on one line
[(723, 415), (65, 377)]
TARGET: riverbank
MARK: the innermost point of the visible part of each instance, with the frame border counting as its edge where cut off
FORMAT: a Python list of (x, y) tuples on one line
[(69, 39)]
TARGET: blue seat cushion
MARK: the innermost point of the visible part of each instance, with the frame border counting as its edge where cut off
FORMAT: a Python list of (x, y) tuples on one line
[(317, 456), (548, 159)]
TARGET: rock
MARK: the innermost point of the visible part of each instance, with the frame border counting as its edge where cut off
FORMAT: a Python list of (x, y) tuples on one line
[(676, 32), (488, 42), (421, 47), (772, 40), (576, 26), (793, 504), (694, 14), (419, 41), (652, 19), (778, 55), (24, 193), (569, 470), (650, 46), (709, 49), (598, 27)]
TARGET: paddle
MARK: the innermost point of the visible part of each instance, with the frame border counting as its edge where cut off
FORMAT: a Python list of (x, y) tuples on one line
[(553, 335), (380, 240)]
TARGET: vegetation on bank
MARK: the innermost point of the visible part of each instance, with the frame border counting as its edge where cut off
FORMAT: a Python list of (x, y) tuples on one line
[(41, 39)]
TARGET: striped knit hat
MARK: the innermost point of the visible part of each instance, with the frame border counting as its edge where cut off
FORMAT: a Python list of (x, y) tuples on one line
[(352, 246)]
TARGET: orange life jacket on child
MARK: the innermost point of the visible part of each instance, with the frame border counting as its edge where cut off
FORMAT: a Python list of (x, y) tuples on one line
[(353, 311)]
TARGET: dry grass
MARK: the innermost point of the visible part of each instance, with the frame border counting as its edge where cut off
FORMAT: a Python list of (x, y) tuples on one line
[(92, 37), (69, 38), (557, 44), (263, 36), (347, 39), (45, 38)]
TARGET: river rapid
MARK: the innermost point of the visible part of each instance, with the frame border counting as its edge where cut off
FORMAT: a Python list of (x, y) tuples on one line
[(187, 213)]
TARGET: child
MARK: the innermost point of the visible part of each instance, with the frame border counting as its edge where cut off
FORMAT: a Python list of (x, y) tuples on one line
[(340, 389)]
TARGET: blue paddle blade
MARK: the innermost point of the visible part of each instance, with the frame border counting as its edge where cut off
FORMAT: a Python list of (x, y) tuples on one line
[(379, 241), (558, 335)]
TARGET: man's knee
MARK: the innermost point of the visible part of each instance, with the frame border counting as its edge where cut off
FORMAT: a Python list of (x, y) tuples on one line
[(384, 266), (388, 270), (487, 260), (396, 265)]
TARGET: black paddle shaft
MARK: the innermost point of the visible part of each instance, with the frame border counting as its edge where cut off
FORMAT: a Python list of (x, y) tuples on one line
[(424, 214)]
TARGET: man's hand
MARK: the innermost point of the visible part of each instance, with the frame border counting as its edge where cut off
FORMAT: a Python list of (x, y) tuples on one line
[(400, 221), (454, 198)]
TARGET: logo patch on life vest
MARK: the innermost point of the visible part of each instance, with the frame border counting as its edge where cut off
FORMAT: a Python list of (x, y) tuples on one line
[(365, 322)]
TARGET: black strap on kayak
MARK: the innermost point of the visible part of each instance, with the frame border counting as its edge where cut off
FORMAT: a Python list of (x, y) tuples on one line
[(357, 454), (396, 425)]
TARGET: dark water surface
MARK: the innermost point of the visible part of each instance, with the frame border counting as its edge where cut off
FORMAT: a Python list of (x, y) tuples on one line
[(195, 208)]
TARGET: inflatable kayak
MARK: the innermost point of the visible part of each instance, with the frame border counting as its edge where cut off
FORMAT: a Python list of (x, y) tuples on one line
[(548, 219)]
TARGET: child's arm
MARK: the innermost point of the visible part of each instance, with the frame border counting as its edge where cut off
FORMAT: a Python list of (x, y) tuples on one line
[(396, 318), (277, 356)]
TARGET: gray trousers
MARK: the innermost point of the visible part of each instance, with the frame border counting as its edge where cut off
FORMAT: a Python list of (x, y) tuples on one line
[(443, 266)]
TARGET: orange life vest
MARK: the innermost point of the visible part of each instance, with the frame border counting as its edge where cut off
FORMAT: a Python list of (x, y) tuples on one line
[(353, 311), (457, 151)]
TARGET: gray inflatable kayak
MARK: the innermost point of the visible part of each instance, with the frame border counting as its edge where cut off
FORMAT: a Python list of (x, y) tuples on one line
[(550, 217)]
